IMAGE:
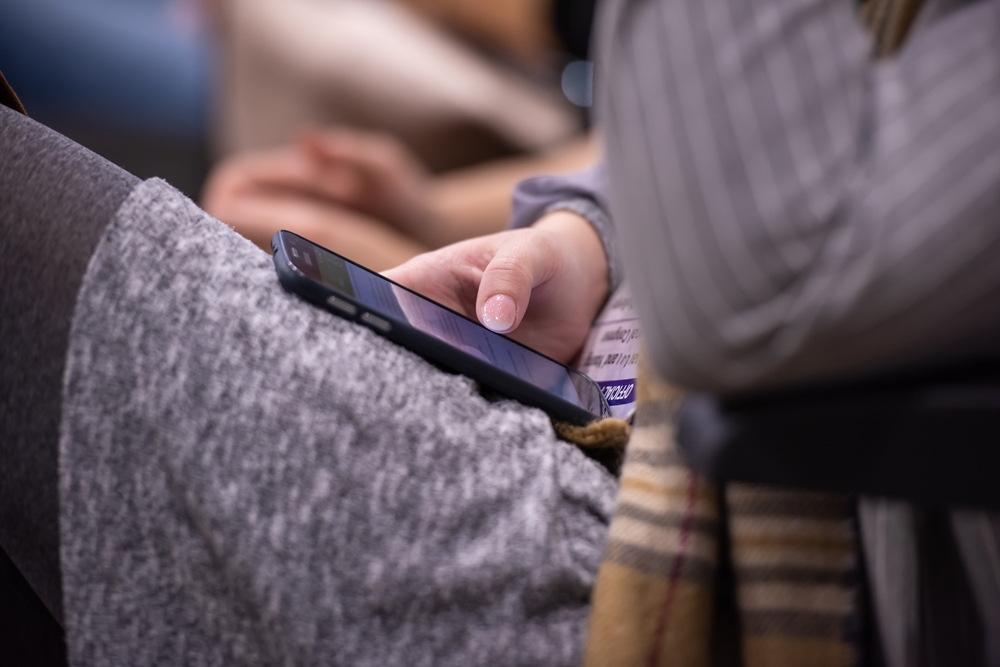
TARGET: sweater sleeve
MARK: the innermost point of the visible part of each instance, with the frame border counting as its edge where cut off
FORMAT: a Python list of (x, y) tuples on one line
[(789, 208), (584, 193)]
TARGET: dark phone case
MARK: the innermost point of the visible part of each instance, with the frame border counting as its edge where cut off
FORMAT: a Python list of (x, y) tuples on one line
[(431, 348)]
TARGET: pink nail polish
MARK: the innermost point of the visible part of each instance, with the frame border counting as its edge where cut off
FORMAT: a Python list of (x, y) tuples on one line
[(498, 313)]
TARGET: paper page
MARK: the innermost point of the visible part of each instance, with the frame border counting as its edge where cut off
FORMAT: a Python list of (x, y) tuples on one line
[(611, 352)]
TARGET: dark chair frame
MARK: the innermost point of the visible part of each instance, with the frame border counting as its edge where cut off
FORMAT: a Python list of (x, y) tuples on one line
[(931, 437)]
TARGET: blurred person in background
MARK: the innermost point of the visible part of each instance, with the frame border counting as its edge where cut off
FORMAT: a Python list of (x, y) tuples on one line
[(457, 82), (405, 90)]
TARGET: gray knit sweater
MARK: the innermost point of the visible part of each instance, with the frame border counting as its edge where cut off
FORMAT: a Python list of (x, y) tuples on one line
[(246, 479)]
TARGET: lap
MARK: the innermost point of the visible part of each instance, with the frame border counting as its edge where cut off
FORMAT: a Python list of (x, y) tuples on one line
[(248, 477)]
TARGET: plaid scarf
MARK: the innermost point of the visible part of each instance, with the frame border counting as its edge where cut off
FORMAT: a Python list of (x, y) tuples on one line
[(697, 575), (681, 551)]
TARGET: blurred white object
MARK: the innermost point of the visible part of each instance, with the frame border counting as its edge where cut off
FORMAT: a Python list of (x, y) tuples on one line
[(288, 63)]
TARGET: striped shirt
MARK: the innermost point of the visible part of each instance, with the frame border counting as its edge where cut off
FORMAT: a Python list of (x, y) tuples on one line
[(787, 207)]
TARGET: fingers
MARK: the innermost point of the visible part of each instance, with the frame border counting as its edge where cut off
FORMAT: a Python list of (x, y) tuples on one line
[(373, 173), (520, 265), (542, 285), (372, 155), (490, 278), (366, 150), (269, 170), (436, 277)]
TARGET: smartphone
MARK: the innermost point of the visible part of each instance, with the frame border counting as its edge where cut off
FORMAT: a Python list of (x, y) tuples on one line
[(434, 331)]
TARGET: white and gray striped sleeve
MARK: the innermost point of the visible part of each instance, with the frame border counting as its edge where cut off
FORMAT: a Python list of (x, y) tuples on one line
[(787, 207)]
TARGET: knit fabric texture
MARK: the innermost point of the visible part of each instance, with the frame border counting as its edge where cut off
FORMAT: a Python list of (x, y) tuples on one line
[(247, 479)]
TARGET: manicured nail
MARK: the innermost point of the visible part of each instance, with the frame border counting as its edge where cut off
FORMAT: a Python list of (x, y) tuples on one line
[(498, 313)]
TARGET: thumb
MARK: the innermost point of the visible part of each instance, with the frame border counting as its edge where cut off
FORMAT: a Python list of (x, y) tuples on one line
[(519, 265)]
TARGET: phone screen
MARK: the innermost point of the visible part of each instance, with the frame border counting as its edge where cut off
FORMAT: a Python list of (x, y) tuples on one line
[(386, 298)]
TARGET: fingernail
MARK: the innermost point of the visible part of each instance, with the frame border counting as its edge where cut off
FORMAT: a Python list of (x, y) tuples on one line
[(498, 313)]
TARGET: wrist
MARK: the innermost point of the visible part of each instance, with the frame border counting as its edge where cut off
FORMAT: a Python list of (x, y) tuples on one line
[(583, 249)]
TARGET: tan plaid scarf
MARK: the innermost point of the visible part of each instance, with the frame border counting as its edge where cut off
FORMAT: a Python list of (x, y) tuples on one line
[(785, 561), (791, 557)]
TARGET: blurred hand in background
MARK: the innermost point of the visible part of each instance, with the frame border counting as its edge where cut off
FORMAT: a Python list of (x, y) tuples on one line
[(349, 190), (418, 101), (333, 183)]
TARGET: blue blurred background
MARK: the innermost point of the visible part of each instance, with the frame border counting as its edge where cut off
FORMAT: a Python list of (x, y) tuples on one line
[(129, 79)]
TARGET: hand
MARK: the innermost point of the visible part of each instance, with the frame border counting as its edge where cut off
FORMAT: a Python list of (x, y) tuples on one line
[(372, 173), (253, 193), (544, 285), (369, 173)]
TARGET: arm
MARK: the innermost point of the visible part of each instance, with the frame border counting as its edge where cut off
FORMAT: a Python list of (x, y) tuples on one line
[(789, 209), (584, 193)]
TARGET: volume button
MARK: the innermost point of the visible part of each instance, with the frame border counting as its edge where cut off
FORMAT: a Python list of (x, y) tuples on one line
[(341, 305), (376, 322)]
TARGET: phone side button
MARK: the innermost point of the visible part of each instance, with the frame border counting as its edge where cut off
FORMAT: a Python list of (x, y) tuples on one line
[(341, 305), (376, 322)]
